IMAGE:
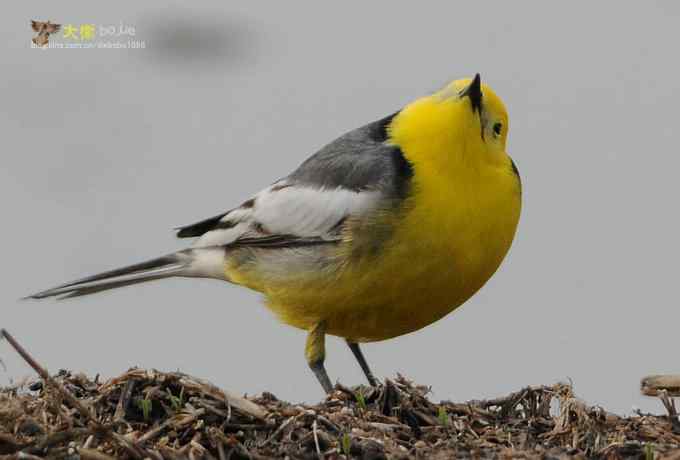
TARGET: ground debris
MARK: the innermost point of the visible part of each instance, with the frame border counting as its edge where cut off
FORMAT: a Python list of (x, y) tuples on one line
[(172, 415)]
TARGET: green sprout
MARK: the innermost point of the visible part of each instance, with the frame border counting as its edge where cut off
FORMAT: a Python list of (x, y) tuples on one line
[(361, 401), (649, 451), (176, 402), (443, 416), (346, 444), (145, 405)]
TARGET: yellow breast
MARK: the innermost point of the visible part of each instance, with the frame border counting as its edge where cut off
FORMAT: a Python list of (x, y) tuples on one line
[(447, 244), (445, 241)]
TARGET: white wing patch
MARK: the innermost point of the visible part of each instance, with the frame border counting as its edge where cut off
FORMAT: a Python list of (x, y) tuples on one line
[(284, 209)]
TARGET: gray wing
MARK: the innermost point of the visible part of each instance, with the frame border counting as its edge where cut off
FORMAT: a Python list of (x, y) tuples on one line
[(359, 160), (352, 176)]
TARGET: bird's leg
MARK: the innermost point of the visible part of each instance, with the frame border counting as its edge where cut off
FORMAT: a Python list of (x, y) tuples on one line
[(362, 362), (315, 352)]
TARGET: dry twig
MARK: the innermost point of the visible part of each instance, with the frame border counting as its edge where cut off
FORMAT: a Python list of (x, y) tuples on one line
[(176, 416), (98, 427)]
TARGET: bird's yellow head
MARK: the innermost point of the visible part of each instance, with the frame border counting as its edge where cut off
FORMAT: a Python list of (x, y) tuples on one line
[(463, 123)]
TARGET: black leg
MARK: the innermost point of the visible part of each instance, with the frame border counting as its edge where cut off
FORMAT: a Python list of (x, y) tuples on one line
[(322, 376), (315, 352), (362, 362)]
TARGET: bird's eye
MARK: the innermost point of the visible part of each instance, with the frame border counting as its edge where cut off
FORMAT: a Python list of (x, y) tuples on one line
[(497, 129)]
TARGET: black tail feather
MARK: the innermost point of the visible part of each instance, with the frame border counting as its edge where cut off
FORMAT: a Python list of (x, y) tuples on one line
[(108, 285), (161, 267)]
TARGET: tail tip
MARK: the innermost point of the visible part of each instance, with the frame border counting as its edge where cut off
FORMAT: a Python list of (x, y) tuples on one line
[(36, 296)]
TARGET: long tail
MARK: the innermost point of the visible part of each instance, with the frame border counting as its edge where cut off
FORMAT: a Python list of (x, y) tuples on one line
[(201, 263)]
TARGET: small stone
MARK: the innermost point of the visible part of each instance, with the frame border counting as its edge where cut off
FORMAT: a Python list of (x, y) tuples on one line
[(420, 445), (372, 450), (347, 411)]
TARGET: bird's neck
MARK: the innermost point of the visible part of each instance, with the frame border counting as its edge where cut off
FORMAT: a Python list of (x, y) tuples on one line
[(440, 139)]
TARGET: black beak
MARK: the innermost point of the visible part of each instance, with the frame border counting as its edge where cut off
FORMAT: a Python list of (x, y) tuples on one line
[(474, 92)]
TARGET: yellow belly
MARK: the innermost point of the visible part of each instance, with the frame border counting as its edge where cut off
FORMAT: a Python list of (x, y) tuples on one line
[(444, 247)]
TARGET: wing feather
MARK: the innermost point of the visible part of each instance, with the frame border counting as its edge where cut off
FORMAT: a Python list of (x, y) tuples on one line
[(352, 176), (199, 228), (289, 215)]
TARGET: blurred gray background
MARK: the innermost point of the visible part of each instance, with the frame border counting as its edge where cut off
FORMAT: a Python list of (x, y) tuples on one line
[(104, 151)]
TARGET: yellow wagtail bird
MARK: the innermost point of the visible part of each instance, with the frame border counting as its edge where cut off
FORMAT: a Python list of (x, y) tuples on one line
[(383, 231)]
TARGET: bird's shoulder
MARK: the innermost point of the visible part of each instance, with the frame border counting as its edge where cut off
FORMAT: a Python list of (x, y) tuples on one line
[(349, 177), (361, 159)]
